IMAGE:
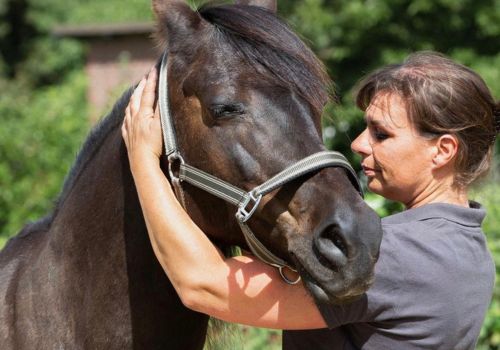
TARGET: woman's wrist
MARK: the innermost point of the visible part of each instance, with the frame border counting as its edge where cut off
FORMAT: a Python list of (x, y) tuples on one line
[(143, 160)]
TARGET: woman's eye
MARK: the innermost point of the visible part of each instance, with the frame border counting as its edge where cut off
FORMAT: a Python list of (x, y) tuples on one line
[(380, 135), (227, 111)]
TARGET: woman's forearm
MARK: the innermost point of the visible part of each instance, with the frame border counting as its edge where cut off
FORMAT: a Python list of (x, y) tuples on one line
[(239, 289), (184, 252)]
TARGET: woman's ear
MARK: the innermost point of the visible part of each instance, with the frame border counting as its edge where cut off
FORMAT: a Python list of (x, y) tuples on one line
[(446, 148), (271, 5)]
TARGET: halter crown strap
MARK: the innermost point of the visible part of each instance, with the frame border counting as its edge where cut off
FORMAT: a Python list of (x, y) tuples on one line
[(167, 124)]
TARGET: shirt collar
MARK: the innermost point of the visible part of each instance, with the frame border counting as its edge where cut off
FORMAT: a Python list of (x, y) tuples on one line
[(472, 216)]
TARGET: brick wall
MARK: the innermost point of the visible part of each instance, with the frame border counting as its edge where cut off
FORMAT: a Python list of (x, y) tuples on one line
[(118, 56), (113, 65)]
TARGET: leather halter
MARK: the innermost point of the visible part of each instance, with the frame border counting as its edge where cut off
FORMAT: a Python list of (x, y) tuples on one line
[(247, 202)]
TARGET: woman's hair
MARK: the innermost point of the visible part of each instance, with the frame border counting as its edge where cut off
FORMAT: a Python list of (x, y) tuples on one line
[(442, 97)]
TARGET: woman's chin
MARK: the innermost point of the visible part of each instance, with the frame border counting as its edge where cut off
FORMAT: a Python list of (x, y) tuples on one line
[(374, 186)]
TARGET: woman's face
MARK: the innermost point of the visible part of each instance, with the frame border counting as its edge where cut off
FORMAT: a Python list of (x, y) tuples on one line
[(395, 158)]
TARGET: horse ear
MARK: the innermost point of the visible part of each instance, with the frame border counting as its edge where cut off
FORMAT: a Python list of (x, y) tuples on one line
[(271, 5), (175, 21)]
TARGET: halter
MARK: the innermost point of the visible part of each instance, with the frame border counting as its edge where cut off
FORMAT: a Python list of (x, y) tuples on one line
[(246, 202)]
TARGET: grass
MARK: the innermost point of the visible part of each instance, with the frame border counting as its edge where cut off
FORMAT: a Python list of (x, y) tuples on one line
[(3, 240)]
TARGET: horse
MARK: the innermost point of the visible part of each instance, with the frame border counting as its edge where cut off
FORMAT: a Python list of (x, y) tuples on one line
[(246, 96)]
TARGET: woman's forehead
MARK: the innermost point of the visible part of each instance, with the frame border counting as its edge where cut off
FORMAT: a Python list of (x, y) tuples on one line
[(387, 109)]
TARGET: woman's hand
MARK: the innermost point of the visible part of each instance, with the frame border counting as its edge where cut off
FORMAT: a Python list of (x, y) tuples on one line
[(141, 129)]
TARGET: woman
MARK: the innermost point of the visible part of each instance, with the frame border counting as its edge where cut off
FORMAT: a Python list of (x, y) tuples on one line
[(431, 126)]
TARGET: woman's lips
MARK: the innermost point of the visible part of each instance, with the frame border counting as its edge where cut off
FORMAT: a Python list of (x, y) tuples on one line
[(369, 171)]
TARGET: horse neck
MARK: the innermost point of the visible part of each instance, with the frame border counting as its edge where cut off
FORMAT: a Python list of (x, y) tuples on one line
[(99, 231), (97, 193)]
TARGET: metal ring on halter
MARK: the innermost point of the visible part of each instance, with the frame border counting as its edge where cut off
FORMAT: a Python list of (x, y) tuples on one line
[(172, 158), (288, 281)]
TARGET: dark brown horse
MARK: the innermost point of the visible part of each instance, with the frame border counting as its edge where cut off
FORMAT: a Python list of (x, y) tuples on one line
[(246, 96)]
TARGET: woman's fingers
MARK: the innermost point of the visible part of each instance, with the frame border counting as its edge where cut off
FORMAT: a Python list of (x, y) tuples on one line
[(128, 118), (125, 134), (142, 132), (126, 126), (127, 114), (135, 100), (149, 94)]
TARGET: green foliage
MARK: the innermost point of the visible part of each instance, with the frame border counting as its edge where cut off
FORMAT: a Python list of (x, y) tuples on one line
[(40, 135), (3, 240), (489, 196), (239, 337), (382, 206), (59, 57), (43, 111), (98, 11), (45, 14), (3, 26), (259, 338)]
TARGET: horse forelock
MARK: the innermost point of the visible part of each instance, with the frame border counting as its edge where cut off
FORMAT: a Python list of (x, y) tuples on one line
[(265, 41)]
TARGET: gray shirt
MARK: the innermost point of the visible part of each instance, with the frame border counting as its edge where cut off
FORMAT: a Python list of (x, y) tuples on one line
[(433, 284)]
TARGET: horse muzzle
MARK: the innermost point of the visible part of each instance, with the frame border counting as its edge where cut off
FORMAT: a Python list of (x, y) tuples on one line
[(338, 246)]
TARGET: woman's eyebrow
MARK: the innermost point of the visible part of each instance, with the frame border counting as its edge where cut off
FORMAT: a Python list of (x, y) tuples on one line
[(369, 120)]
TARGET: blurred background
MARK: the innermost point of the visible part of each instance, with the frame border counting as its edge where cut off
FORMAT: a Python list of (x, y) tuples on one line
[(63, 63)]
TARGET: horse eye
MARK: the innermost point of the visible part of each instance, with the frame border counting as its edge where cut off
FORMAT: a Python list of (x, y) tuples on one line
[(226, 110)]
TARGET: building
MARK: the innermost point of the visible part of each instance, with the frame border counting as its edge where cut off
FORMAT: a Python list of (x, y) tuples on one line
[(118, 56)]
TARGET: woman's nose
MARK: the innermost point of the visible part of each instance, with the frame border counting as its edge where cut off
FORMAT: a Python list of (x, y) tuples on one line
[(361, 145)]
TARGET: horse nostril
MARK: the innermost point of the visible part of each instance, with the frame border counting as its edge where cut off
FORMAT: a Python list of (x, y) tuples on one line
[(339, 243), (332, 246)]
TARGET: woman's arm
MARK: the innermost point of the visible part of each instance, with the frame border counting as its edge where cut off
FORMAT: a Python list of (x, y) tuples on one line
[(239, 289)]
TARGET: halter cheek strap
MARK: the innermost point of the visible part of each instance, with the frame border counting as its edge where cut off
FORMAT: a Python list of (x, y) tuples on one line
[(246, 202)]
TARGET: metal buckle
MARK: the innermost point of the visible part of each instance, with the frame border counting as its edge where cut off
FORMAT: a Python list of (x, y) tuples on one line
[(288, 281), (172, 160), (243, 214)]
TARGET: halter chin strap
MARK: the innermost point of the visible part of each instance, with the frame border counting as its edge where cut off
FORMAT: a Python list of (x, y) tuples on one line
[(246, 202)]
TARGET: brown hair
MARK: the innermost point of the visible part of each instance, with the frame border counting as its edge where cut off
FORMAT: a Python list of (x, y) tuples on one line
[(442, 97)]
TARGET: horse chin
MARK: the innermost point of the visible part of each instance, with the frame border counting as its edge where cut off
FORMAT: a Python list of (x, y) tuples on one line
[(322, 296), (318, 293), (332, 291)]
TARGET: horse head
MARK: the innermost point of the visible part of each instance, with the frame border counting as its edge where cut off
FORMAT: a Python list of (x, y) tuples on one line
[(246, 97)]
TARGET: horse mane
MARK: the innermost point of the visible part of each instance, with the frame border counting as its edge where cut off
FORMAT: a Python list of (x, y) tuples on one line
[(265, 41), (92, 144)]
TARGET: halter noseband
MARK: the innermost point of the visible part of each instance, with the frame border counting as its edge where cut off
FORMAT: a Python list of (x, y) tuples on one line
[(247, 202)]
